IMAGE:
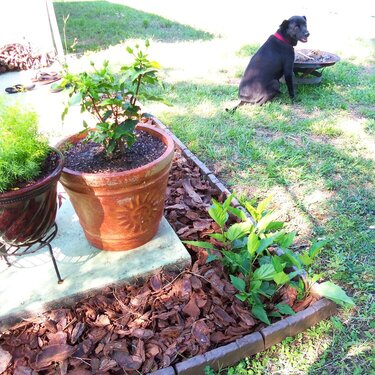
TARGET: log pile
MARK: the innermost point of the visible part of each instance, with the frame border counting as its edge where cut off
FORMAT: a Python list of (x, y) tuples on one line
[(17, 56)]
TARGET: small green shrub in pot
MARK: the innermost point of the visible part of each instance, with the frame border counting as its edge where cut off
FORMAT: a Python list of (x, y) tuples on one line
[(22, 149), (29, 172), (113, 99), (128, 192)]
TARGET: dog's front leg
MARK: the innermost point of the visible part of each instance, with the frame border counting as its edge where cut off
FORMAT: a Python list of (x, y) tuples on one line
[(290, 85)]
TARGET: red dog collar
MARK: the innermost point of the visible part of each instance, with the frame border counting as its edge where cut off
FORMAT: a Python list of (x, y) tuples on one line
[(280, 37)]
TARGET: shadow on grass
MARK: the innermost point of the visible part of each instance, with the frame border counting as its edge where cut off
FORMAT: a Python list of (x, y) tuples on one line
[(294, 147), (100, 24), (298, 149)]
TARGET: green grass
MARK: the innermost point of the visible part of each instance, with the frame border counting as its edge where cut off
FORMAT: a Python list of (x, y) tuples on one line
[(316, 157), (100, 24)]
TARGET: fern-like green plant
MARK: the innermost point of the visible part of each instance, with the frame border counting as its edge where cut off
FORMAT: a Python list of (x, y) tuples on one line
[(22, 148)]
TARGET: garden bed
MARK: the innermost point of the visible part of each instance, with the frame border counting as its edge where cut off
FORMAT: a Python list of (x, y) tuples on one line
[(179, 323)]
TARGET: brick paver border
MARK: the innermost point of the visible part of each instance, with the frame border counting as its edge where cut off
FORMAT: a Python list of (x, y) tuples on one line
[(253, 343)]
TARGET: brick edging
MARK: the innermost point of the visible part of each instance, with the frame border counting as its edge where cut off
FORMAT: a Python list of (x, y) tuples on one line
[(256, 342)]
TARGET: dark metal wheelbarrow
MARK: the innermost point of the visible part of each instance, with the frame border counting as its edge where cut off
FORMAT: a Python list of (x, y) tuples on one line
[(309, 65)]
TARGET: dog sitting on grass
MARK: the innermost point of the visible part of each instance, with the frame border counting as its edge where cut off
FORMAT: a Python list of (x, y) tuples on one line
[(274, 59)]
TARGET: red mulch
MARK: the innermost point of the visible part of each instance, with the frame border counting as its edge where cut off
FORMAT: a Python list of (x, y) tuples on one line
[(139, 329)]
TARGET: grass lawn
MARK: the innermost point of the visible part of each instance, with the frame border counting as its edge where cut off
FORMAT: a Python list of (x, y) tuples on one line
[(315, 157)]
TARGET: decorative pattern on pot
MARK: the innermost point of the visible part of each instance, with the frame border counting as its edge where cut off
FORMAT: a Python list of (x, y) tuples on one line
[(138, 213), (121, 210)]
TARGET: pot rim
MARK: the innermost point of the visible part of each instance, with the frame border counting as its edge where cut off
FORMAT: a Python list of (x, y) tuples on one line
[(163, 136), (40, 184)]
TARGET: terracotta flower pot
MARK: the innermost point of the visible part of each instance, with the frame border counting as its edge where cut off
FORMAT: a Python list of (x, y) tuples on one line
[(27, 214), (120, 210)]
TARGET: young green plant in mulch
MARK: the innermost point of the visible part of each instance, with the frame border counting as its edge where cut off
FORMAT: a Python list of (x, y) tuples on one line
[(257, 254)]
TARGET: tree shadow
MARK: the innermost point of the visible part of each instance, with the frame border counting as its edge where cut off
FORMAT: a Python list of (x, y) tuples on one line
[(292, 147), (297, 148), (100, 24)]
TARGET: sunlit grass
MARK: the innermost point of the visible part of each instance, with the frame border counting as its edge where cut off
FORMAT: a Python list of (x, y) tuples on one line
[(315, 156)]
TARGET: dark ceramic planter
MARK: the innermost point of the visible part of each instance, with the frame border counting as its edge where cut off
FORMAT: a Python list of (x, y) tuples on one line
[(27, 214)]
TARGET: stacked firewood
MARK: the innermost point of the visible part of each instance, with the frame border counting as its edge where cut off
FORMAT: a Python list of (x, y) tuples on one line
[(17, 56)]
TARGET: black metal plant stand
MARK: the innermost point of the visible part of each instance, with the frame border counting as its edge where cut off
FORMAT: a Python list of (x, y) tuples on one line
[(7, 250)]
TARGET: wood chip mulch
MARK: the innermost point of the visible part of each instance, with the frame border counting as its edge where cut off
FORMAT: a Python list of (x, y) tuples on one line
[(136, 329)]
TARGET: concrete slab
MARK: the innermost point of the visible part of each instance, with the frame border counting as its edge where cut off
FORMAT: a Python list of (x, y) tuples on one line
[(48, 105), (30, 285)]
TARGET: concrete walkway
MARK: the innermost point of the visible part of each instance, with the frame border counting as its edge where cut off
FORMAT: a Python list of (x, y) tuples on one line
[(30, 285)]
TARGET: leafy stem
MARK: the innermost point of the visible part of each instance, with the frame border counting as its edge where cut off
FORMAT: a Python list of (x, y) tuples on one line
[(256, 272)]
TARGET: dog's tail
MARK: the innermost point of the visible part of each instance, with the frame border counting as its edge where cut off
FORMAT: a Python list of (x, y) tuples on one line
[(232, 110)]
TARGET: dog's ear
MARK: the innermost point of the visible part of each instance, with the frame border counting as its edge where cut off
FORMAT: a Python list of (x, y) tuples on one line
[(284, 25), (304, 18)]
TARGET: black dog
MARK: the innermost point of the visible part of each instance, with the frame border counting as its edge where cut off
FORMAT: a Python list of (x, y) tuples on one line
[(274, 59)]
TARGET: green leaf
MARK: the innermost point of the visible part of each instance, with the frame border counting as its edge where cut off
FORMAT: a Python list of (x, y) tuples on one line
[(275, 225), (287, 240), (275, 314), (276, 261), (242, 296), (314, 278), (236, 231), (285, 309), (75, 98), (238, 283), (253, 243), (281, 278), (64, 113), (237, 212), (255, 285), (253, 212), (218, 214), (264, 222), (227, 202), (218, 236), (111, 146), (120, 132), (305, 259), (259, 312), (316, 247), (236, 262), (240, 243), (267, 289), (211, 257), (266, 242), (204, 245), (333, 292), (291, 258), (292, 275), (265, 259), (265, 272), (263, 204)]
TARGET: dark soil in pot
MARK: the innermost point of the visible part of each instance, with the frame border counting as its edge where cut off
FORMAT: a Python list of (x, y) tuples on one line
[(90, 157)]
